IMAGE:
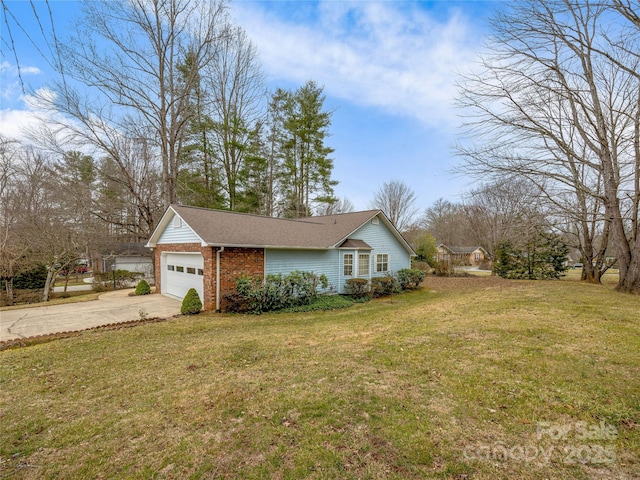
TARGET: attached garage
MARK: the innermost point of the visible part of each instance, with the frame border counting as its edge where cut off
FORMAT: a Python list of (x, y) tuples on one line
[(182, 271)]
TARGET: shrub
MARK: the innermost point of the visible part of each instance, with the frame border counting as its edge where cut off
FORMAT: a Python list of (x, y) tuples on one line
[(278, 291), (383, 286), (236, 303), (33, 279), (143, 288), (410, 278), (442, 268), (191, 304), (357, 287)]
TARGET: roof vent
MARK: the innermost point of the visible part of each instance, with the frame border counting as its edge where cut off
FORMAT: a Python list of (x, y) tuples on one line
[(177, 222), (375, 221)]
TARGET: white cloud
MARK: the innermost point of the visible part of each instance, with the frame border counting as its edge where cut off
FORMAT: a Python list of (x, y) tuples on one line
[(33, 112), (14, 123), (394, 56)]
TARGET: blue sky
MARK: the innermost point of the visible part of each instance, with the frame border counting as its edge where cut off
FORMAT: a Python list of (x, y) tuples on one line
[(388, 70)]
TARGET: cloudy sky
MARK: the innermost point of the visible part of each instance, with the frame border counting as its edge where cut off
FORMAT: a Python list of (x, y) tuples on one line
[(388, 70)]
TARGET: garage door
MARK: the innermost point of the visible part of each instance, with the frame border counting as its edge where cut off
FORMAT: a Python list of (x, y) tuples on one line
[(182, 271)]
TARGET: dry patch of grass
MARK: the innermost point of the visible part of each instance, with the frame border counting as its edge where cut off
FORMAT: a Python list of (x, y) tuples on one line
[(468, 378)]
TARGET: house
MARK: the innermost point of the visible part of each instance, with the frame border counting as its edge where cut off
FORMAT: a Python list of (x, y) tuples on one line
[(209, 249), (132, 257), (462, 255)]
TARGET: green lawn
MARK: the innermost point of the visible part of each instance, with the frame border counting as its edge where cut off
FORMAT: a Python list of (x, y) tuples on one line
[(468, 378)]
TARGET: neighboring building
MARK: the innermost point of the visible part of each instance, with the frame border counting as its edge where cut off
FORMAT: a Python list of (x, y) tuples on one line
[(133, 257), (209, 249), (462, 255)]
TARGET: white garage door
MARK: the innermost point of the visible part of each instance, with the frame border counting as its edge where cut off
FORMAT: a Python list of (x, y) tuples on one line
[(182, 271)]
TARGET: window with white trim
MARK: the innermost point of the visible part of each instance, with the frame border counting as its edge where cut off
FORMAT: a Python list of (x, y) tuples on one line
[(348, 264), (363, 264), (382, 262), (180, 269), (191, 270), (171, 268)]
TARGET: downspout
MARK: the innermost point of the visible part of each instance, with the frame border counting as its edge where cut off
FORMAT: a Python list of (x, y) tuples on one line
[(220, 250)]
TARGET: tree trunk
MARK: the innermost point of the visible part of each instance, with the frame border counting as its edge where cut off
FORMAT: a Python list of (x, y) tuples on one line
[(47, 285)]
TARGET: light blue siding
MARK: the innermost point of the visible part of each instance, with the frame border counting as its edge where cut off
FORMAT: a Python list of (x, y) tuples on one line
[(380, 238), (330, 262), (320, 262), (182, 234)]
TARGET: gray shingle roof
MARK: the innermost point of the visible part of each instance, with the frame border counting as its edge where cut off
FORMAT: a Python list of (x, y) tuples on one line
[(218, 227)]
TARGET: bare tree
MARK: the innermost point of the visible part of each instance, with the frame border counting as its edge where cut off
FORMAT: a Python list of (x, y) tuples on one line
[(234, 96), (339, 205), (500, 211), (127, 58), (397, 200), (557, 101), (445, 220)]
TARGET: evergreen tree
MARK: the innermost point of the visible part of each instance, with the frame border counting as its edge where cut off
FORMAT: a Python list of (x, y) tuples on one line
[(306, 168)]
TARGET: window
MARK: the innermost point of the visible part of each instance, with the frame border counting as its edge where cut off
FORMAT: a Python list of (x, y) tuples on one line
[(200, 271), (191, 270), (477, 257), (180, 269), (348, 264), (363, 264), (382, 262), (171, 268)]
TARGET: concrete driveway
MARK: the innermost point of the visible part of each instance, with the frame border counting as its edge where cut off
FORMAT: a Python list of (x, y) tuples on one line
[(111, 307)]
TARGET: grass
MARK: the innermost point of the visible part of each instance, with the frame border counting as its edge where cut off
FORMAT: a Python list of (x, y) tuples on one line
[(58, 299), (469, 378)]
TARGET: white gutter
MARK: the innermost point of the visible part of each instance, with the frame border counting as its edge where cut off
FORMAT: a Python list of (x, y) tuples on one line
[(220, 250)]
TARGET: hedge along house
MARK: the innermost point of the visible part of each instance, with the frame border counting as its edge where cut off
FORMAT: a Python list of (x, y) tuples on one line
[(209, 249)]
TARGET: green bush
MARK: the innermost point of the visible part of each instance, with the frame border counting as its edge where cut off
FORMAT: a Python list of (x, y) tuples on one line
[(383, 286), (277, 291), (143, 288), (357, 287), (191, 304), (410, 278), (31, 279)]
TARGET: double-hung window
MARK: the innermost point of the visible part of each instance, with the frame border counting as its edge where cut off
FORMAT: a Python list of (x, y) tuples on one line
[(382, 262), (348, 264), (363, 264)]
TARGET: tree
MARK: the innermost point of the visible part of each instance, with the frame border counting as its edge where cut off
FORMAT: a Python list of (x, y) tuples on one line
[(540, 256), (426, 249), (234, 84), (306, 167), (336, 206), (501, 210), (397, 200), (557, 101), (445, 220), (127, 57)]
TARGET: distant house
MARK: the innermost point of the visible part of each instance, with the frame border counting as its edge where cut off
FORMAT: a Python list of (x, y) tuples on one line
[(473, 256), (209, 249), (132, 256)]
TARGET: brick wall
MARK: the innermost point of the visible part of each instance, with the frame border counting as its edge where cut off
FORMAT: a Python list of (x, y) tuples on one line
[(233, 263)]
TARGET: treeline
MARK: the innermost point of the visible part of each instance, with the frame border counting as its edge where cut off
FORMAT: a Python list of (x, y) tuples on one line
[(156, 103)]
